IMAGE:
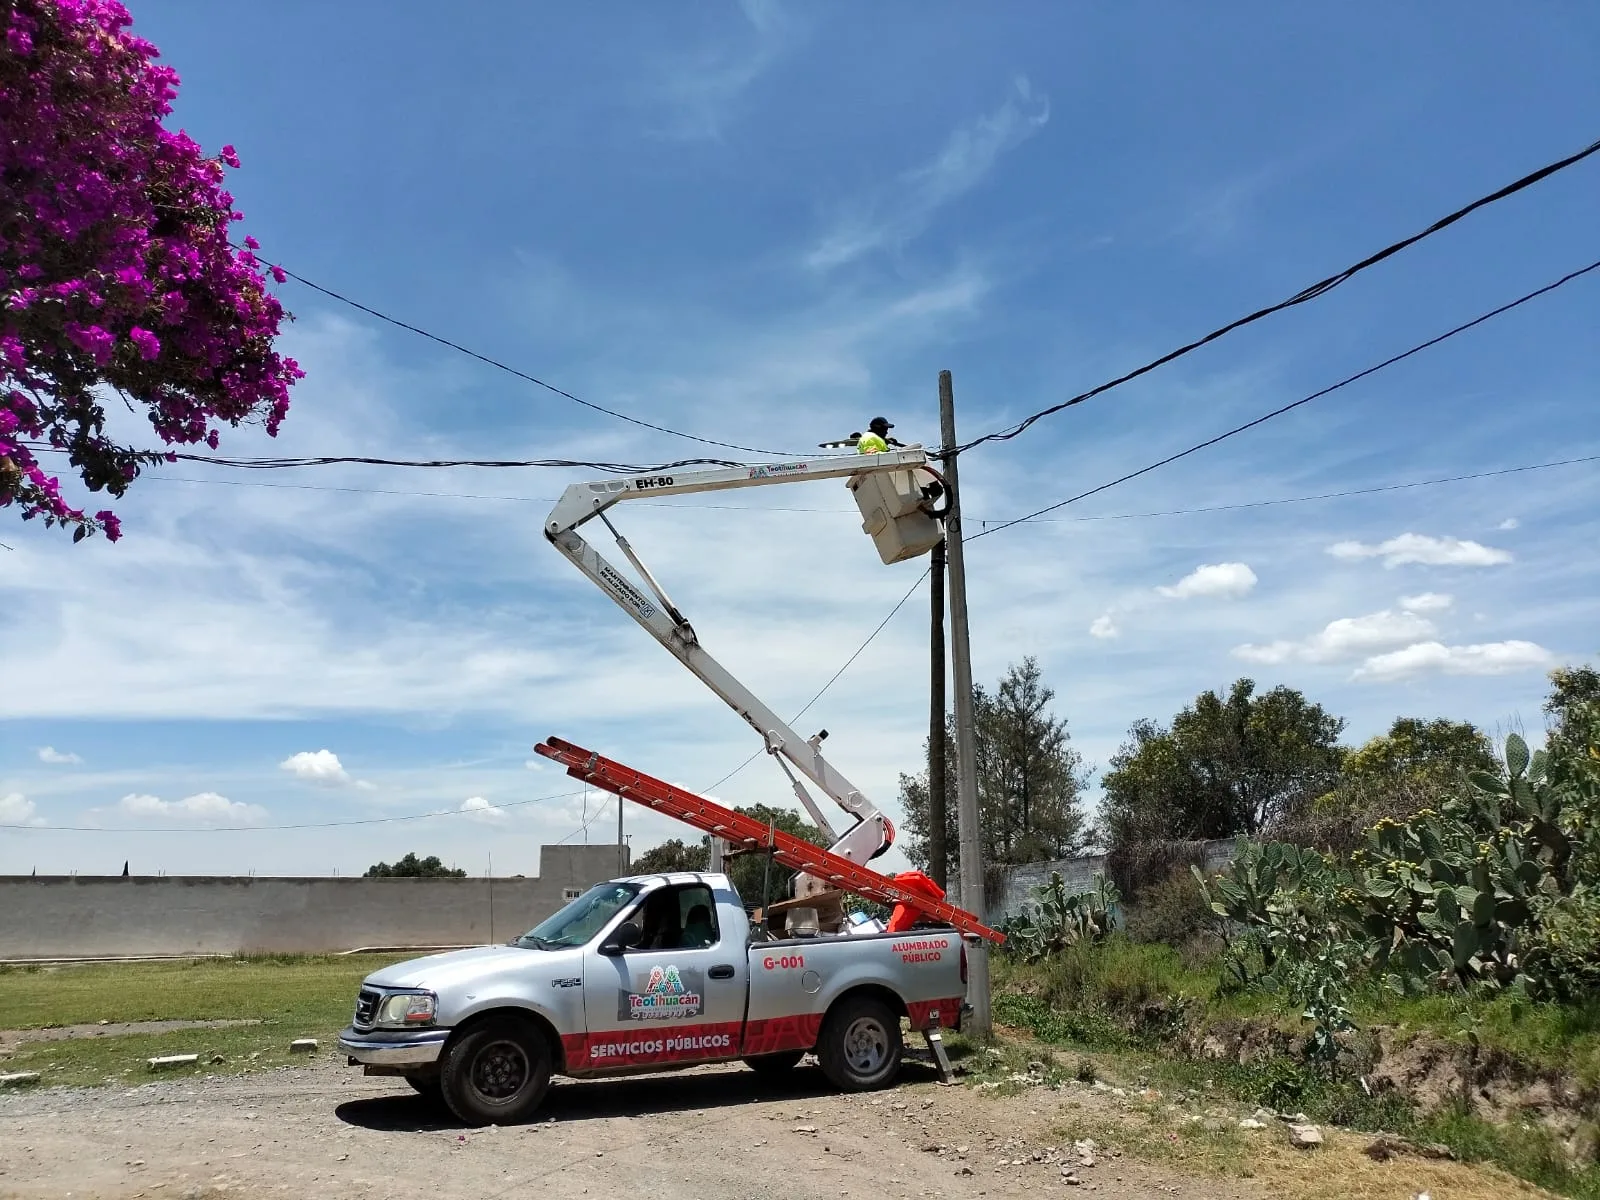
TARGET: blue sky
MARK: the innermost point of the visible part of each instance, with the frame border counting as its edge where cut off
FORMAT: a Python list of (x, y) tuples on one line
[(766, 223)]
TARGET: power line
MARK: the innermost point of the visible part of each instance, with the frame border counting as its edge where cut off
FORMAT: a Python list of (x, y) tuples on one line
[(1365, 491), (523, 375), (444, 812), (861, 649), (328, 460), (1278, 412), (1126, 516), (1320, 288)]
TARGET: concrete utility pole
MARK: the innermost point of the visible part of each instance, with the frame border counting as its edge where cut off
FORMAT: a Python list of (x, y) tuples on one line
[(966, 734), (938, 817), (622, 846)]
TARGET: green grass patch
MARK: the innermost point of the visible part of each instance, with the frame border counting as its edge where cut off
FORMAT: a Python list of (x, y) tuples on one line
[(291, 998)]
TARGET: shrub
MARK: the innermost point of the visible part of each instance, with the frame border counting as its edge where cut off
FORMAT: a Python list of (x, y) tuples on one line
[(1172, 912)]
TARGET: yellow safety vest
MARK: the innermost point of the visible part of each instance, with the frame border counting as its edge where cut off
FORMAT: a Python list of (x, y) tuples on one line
[(871, 443)]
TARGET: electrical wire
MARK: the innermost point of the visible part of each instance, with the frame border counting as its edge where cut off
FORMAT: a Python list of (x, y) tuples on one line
[(328, 460), (1278, 412), (859, 651), (523, 375), (1365, 491), (1320, 288), (444, 812), (984, 521)]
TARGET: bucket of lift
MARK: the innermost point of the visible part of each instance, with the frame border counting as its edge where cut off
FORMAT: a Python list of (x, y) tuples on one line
[(894, 512)]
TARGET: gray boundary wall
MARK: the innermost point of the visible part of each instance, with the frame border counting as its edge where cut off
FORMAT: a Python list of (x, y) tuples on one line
[(111, 916)]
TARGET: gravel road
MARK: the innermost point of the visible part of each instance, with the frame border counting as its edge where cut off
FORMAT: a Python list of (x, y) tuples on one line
[(709, 1134)]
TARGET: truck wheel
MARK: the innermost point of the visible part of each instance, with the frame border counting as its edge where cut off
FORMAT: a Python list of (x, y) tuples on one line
[(775, 1066), (860, 1046), (496, 1074), (426, 1086)]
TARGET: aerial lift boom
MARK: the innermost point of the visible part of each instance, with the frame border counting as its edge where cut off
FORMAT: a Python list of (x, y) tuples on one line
[(892, 490)]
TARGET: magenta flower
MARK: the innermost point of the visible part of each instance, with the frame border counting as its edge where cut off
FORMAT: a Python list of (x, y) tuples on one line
[(119, 274)]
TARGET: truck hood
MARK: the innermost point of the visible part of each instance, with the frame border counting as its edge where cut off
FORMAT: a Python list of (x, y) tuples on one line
[(458, 968)]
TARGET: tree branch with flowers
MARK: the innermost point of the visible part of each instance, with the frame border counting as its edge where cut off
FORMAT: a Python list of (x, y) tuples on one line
[(119, 282)]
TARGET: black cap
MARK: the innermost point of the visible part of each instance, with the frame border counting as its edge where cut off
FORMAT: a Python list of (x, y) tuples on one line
[(877, 421)]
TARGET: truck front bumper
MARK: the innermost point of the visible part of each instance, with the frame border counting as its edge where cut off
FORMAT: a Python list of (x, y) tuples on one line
[(402, 1048)]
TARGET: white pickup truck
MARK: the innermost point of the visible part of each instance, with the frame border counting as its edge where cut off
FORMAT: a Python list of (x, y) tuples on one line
[(646, 974)]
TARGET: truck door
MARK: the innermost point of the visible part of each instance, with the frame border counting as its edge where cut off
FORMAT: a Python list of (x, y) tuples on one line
[(678, 996)]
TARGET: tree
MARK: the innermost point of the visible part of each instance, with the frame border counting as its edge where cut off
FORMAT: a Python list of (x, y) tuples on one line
[(412, 867), (746, 870), (1572, 706), (1030, 779), (1227, 766), (672, 856), (116, 268)]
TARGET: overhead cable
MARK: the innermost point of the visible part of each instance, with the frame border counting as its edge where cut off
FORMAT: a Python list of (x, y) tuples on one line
[(523, 375), (1320, 288), (1278, 412)]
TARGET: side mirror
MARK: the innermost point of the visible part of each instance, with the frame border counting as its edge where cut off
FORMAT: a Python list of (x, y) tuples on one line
[(623, 937)]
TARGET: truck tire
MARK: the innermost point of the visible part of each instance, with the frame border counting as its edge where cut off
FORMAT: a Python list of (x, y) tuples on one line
[(496, 1074), (775, 1066), (860, 1046), (427, 1086)]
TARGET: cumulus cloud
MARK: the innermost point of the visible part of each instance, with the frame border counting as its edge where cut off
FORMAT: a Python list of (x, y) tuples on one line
[(202, 806), (1213, 579), (1427, 602), (1348, 637), (1488, 658), (17, 809), (58, 758), (1425, 550), (316, 766), (1104, 627), (480, 809)]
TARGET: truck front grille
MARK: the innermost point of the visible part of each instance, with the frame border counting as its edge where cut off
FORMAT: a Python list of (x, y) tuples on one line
[(366, 1008)]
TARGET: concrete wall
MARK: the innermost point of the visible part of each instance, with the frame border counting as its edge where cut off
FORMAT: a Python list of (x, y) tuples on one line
[(109, 916), (1077, 873)]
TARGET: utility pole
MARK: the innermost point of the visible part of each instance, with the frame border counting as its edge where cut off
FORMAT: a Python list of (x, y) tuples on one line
[(966, 734), (938, 817), (622, 846)]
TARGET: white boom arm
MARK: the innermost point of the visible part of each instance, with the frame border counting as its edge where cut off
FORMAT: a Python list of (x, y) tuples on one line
[(872, 834)]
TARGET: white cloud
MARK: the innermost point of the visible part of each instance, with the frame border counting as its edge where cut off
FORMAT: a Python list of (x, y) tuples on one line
[(1489, 658), (17, 809), (901, 212), (1427, 602), (1428, 551), (1508, 524), (699, 96), (1348, 637), (202, 806), (1214, 579), (1104, 627), (480, 809), (318, 766), (58, 758)]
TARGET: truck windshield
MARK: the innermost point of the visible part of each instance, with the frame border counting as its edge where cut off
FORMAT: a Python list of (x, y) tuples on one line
[(581, 919)]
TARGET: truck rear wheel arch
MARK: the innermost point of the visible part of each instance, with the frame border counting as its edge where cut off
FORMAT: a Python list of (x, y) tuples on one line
[(885, 995), (535, 1021)]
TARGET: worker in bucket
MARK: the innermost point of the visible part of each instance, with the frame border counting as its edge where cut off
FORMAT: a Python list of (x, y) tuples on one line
[(876, 440)]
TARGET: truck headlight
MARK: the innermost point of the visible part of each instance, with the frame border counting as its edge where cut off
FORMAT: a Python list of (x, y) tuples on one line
[(406, 1009)]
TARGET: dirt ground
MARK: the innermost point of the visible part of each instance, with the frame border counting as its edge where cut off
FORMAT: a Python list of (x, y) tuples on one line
[(710, 1134)]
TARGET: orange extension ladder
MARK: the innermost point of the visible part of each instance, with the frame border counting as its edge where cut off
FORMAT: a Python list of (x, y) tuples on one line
[(750, 833)]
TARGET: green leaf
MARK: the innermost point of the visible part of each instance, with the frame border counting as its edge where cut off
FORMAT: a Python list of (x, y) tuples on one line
[(1466, 945), (1483, 909), (1516, 755), (1382, 888)]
